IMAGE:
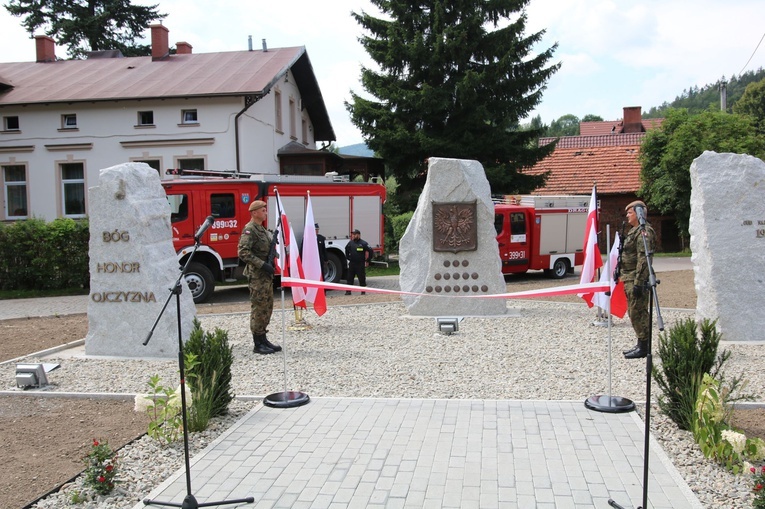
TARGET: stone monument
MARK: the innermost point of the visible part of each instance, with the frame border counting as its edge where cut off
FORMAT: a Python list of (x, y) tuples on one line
[(727, 228), (449, 249), (133, 266)]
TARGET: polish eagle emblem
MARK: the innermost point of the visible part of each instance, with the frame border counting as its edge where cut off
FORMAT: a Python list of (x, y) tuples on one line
[(454, 227)]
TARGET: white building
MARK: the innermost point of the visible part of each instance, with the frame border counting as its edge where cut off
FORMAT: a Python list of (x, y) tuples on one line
[(65, 120)]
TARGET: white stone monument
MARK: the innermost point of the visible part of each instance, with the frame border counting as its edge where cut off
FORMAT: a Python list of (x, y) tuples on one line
[(449, 250), (727, 227), (133, 266)]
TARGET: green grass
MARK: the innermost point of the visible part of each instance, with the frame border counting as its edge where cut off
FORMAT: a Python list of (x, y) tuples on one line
[(380, 270)]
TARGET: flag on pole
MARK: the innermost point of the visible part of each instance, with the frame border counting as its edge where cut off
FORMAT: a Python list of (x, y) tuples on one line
[(618, 297), (312, 263), (289, 258), (592, 259)]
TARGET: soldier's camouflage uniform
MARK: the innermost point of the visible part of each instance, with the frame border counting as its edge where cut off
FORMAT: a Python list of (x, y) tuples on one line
[(634, 272), (253, 250)]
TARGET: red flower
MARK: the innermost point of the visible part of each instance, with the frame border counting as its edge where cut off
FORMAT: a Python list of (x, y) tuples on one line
[(752, 469), (763, 470), (95, 443), (109, 468), (101, 478)]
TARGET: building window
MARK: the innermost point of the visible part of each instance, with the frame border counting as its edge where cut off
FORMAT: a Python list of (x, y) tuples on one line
[(73, 189), (69, 121), (145, 118), (293, 129), (278, 111), (189, 117), (154, 163), (304, 130), (11, 123), (191, 163), (15, 183)]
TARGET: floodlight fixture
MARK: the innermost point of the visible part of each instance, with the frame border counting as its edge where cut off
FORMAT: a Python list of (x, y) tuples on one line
[(30, 376), (448, 325)]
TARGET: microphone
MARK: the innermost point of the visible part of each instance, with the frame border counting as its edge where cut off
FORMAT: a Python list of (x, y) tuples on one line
[(640, 213), (208, 222)]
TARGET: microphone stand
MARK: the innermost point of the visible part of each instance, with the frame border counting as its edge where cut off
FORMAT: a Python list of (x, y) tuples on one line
[(653, 299), (189, 502)]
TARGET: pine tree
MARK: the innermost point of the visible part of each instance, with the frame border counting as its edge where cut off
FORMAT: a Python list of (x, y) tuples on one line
[(455, 78), (88, 25)]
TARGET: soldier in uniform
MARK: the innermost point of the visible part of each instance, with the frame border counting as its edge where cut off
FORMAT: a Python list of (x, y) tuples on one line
[(634, 272), (254, 245), (358, 253)]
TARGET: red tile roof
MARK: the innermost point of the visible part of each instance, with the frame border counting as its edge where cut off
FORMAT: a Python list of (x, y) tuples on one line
[(609, 161), (614, 126)]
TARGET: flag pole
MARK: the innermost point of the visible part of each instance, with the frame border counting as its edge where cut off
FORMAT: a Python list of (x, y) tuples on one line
[(284, 399), (609, 403)]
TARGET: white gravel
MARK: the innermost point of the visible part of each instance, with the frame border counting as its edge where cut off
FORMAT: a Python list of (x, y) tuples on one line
[(540, 350)]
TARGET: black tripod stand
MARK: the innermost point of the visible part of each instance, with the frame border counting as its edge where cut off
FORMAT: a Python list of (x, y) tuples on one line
[(189, 502), (652, 299)]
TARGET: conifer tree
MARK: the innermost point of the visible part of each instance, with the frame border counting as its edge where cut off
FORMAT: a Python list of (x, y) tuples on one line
[(454, 80), (88, 25)]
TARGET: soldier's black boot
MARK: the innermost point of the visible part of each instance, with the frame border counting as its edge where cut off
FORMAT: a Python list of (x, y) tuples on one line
[(275, 348), (640, 352), (628, 350), (259, 346)]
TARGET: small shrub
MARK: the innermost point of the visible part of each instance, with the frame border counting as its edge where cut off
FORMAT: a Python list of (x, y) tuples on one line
[(101, 468), (163, 405), (209, 374), (685, 358)]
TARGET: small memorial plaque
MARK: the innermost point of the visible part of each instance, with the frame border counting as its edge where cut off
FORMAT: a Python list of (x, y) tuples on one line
[(454, 227)]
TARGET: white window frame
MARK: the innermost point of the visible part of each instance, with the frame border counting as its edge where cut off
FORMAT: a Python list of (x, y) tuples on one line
[(69, 121), (142, 114), (189, 116), (278, 111), (292, 113), (7, 121), (179, 162), (72, 182), (8, 185)]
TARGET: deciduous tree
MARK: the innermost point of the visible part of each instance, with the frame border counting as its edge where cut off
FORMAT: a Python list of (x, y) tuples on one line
[(667, 153), (454, 79)]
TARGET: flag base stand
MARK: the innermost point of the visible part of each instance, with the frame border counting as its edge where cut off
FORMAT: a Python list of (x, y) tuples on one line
[(609, 404), (600, 323), (288, 399)]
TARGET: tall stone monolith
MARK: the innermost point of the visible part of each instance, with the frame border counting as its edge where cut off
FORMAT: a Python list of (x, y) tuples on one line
[(133, 266), (727, 227), (449, 250)]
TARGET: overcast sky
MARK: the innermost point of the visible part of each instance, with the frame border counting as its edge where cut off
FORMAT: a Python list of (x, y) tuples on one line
[(614, 53)]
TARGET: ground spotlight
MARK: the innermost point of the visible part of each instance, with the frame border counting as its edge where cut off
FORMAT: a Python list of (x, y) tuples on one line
[(448, 325)]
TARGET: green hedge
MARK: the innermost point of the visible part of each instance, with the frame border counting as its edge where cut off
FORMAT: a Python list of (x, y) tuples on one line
[(35, 255)]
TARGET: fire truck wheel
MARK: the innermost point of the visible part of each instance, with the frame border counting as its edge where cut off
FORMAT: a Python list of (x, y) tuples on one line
[(560, 268), (201, 282), (334, 272)]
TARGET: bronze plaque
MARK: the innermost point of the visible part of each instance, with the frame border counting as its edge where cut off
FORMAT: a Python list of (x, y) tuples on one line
[(454, 226)]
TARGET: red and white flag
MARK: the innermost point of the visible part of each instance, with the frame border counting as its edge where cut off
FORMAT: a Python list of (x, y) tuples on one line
[(289, 256), (618, 298), (592, 259), (312, 263)]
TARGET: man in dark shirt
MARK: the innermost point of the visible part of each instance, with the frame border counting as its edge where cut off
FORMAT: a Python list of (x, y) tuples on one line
[(320, 240), (358, 253)]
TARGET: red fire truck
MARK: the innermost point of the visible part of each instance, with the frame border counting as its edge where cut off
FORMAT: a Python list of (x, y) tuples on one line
[(338, 207), (541, 233)]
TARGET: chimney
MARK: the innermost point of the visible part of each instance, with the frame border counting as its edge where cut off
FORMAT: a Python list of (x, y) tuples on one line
[(265, 48), (183, 48), (633, 123), (46, 48), (159, 45)]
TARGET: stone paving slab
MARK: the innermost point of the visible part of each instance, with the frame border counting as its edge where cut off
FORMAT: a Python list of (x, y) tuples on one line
[(401, 453)]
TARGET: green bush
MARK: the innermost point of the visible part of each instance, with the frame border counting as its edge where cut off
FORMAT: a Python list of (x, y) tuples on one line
[(35, 255), (395, 229), (209, 373), (685, 358)]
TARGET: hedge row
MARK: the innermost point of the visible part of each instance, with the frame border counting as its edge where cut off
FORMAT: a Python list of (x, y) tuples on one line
[(35, 255)]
